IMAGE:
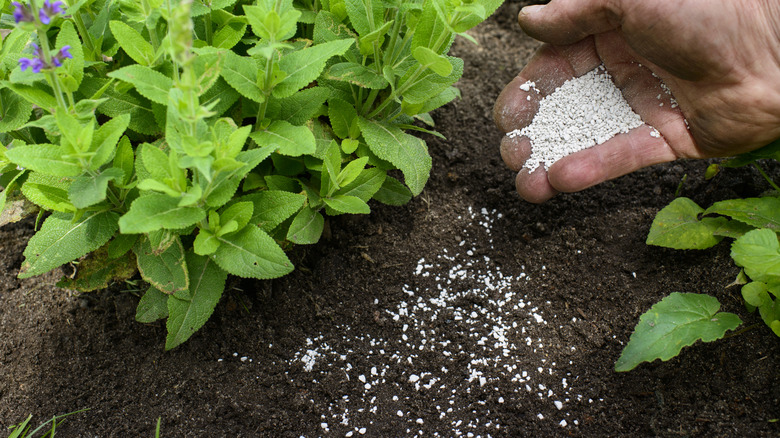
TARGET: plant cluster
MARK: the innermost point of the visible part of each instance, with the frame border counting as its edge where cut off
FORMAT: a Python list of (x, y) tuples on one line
[(191, 139), (680, 319)]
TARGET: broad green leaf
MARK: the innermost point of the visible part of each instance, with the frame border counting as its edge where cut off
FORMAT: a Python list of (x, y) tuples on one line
[(48, 192), (356, 74), (241, 212), (225, 183), (167, 269), (44, 158), (157, 211), (287, 139), (675, 322), (358, 15), (153, 306), (756, 212), (678, 226), (347, 204), (125, 159), (229, 35), (121, 244), (404, 151), (122, 103), (770, 151), (205, 243), (304, 66), (341, 115), (272, 207), (38, 94), (430, 84), (74, 66), (270, 23), (366, 184), (154, 161), (307, 227), (61, 240), (87, 190), (328, 27), (152, 84), (439, 64), (756, 293), (301, 106), (132, 42), (105, 139), (241, 73), (97, 271), (443, 98), (188, 314), (393, 192), (220, 97), (14, 111), (733, 229), (431, 31), (252, 253), (758, 251), (351, 171)]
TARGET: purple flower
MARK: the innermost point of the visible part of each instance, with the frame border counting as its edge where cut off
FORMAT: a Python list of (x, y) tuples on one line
[(49, 10), (22, 13), (36, 64)]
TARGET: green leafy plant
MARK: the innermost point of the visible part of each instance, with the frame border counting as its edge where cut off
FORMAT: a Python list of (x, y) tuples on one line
[(191, 140), (679, 320), (22, 430)]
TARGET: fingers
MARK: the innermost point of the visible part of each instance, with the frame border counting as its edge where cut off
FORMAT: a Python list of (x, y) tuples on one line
[(566, 21), (616, 157), (534, 186)]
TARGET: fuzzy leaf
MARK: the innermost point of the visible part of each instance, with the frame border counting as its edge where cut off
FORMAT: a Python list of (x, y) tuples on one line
[(104, 140), (358, 15), (439, 64), (98, 271), (347, 204), (166, 270), (36, 94), (74, 66), (393, 192), (431, 84), (241, 73), (61, 240), (188, 314), (225, 183), (44, 158), (87, 190), (356, 74), (366, 184), (15, 111), (132, 43), (272, 207), (152, 84), (341, 115), (307, 227), (252, 253), (756, 293), (229, 35), (304, 66), (756, 212), (758, 251), (303, 105), (48, 192), (678, 226), (153, 306), (157, 211), (287, 139), (404, 151), (675, 322)]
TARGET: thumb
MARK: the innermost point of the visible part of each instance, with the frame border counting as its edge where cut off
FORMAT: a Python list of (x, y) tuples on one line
[(563, 22)]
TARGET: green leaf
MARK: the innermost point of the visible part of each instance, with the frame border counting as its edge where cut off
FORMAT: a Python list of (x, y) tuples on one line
[(347, 204), (356, 74), (157, 211), (287, 139), (229, 35), (74, 66), (430, 30), (393, 192), (61, 240), (675, 322), (124, 159), (98, 271), (121, 244), (225, 183), (48, 192), (358, 15), (36, 94), (303, 105), (678, 226), (44, 158), (205, 243), (367, 183), (328, 27), (241, 73), (756, 293), (15, 111), (271, 23), (132, 43), (153, 306), (770, 151), (252, 253), (404, 151), (220, 97), (756, 212), (105, 139), (732, 229), (758, 251), (439, 64), (307, 227), (241, 212), (351, 171), (304, 66), (152, 84), (431, 84), (272, 207), (341, 115), (188, 314), (87, 190), (124, 103), (164, 269)]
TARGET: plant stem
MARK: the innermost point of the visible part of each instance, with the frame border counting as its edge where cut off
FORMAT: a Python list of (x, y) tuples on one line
[(742, 330), (766, 177), (207, 22)]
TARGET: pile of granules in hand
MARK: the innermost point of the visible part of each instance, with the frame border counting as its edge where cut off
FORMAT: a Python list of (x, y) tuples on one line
[(581, 113)]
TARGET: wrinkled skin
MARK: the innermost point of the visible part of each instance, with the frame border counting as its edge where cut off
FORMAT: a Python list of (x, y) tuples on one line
[(719, 58)]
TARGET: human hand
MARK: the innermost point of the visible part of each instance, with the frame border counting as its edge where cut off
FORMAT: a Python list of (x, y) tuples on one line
[(719, 58)]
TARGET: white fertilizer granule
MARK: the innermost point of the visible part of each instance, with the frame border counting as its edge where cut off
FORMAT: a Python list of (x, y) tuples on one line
[(581, 113)]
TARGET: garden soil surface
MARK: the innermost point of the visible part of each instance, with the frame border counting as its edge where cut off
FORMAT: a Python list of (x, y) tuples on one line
[(467, 312)]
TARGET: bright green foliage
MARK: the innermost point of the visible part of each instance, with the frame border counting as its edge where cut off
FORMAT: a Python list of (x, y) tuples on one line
[(675, 322), (191, 138), (754, 225)]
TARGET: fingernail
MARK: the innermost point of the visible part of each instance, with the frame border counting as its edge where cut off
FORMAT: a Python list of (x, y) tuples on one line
[(531, 9)]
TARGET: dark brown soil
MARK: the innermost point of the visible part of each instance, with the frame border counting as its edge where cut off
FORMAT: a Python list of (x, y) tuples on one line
[(591, 276)]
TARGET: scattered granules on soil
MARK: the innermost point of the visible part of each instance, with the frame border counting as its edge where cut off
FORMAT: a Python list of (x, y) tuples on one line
[(581, 113)]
